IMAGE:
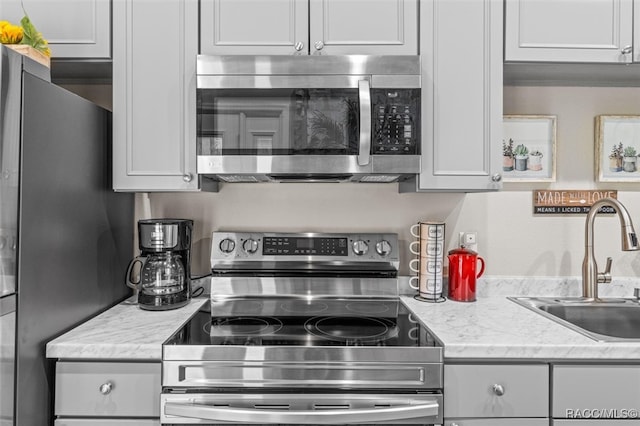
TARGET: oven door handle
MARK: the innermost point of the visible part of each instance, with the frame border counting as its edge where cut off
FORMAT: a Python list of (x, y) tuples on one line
[(364, 94), (269, 416)]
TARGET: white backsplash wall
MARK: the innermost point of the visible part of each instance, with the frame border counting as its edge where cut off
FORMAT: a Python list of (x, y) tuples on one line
[(294, 207), (513, 241)]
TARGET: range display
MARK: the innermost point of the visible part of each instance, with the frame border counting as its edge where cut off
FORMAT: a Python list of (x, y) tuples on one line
[(305, 246)]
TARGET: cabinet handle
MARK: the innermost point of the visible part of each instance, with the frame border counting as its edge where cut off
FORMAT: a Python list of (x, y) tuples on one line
[(626, 50), (496, 178), (105, 388), (498, 389), (318, 45), (187, 177), (299, 46)]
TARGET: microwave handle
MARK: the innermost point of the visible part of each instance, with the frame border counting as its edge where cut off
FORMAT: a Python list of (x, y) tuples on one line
[(364, 94)]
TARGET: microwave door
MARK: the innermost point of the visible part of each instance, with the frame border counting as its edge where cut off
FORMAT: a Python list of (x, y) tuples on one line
[(262, 125)]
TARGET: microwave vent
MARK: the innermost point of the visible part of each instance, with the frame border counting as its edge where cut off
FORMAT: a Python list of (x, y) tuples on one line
[(379, 178), (239, 178)]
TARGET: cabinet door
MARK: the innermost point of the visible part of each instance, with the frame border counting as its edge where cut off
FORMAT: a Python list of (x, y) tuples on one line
[(496, 422), (107, 389), (592, 422), (374, 27), (578, 390), (475, 391), (257, 27), (636, 33), (106, 422), (154, 58), (7, 357), (568, 30), (461, 96), (73, 28)]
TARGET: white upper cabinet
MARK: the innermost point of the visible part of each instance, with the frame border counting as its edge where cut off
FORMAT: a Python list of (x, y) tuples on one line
[(285, 27), (461, 96), (238, 27), (75, 29), (570, 31), (636, 33), (155, 44)]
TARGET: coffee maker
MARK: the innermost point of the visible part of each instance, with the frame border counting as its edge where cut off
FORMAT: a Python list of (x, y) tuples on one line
[(165, 264)]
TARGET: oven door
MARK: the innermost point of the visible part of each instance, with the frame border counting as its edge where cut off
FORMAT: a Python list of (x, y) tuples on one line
[(300, 408)]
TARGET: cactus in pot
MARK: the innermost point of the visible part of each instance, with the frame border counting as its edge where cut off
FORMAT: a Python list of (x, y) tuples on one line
[(535, 160), (615, 158), (629, 159), (507, 156), (522, 155)]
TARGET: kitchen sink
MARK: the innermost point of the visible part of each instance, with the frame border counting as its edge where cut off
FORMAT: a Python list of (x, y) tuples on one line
[(607, 320)]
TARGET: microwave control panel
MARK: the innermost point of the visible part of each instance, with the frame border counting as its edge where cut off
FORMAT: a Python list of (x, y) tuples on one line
[(396, 121)]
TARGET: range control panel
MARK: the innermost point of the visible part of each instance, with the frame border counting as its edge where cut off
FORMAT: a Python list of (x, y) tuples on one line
[(396, 118), (228, 246)]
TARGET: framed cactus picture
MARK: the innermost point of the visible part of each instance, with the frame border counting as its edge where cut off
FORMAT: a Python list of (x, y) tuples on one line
[(617, 148), (529, 148)]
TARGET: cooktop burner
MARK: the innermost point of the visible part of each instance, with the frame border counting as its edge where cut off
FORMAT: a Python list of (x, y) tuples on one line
[(354, 330), (243, 326), (303, 306), (273, 321)]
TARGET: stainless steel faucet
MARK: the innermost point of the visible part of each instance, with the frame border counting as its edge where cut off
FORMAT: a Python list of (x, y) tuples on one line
[(590, 275)]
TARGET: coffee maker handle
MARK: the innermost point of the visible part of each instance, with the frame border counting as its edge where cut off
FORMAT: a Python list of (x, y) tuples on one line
[(134, 285)]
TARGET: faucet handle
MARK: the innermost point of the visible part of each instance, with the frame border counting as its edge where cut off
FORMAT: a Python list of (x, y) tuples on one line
[(605, 277)]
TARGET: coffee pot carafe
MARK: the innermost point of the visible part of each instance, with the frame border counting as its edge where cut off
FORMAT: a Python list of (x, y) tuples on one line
[(463, 272), (165, 258)]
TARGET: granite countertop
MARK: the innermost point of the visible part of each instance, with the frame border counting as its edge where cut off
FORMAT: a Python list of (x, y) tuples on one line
[(491, 328), (494, 327), (123, 332)]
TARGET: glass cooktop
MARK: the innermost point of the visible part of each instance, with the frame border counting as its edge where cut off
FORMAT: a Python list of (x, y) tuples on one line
[(304, 322)]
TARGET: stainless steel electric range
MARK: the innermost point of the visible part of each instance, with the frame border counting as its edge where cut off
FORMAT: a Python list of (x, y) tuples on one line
[(303, 329)]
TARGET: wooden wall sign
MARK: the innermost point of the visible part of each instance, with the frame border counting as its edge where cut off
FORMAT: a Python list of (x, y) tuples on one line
[(570, 201)]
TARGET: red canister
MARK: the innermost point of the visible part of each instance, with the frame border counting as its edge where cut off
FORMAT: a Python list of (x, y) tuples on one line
[(463, 265)]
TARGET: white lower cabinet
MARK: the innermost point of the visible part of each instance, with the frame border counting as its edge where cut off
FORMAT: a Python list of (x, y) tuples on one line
[(106, 422), (498, 394), (107, 393), (591, 422), (497, 422), (597, 395)]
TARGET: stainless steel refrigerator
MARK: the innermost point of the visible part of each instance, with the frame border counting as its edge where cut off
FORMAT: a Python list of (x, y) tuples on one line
[(65, 236)]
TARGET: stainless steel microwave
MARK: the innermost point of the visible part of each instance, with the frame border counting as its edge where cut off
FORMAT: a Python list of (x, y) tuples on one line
[(308, 118)]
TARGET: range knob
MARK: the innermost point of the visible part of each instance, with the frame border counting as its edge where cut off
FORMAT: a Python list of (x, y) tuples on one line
[(360, 247), (250, 246), (383, 248), (227, 245)]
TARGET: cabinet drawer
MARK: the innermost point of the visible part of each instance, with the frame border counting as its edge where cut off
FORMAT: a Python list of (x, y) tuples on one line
[(591, 422), (106, 422), (579, 389), (474, 390), (134, 389), (497, 422)]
